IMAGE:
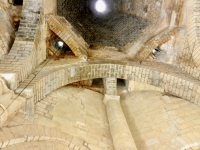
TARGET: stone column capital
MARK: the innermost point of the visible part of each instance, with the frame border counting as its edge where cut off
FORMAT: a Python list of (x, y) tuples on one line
[(110, 97)]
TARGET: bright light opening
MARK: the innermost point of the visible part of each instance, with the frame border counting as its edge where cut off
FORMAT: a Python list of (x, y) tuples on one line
[(60, 44), (100, 6)]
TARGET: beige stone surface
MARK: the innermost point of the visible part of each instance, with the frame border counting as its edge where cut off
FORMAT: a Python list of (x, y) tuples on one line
[(76, 111), (138, 86), (157, 121), (57, 117), (49, 6), (121, 135), (61, 27), (9, 102)]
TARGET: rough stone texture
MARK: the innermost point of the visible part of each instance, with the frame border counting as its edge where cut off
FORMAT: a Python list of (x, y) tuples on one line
[(155, 42), (113, 29), (9, 15), (121, 135), (9, 103), (166, 52), (138, 86), (61, 27), (155, 11), (75, 111), (29, 50), (187, 45), (110, 86), (29, 136), (23, 51), (161, 122), (162, 15), (169, 78)]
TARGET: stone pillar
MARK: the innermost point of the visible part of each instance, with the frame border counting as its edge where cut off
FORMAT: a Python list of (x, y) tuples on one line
[(29, 108), (121, 134), (110, 86)]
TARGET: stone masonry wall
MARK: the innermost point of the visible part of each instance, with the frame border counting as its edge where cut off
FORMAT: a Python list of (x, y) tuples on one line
[(188, 40), (23, 136), (61, 27), (113, 29), (7, 31), (152, 10), (77, 111), (169, 78), (155, 42), (138, 86), (110, 86), (160, 14), (21, 59), (161, 122), (43, 33)]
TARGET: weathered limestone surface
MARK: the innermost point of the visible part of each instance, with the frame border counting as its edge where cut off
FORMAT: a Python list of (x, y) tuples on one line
[(76, 111), (21, 59), (61, 27), (155, 42), (161, 122), (167, 77), (138, 86), (110, 86), (161, 14), (121, 135), (9, 15), (157, 122), (9, 102), (188, 41), (36, 136)]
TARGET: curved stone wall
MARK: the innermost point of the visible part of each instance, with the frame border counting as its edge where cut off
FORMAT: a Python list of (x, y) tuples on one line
[(188, 41), (155, 42), (7, 31), (170, 78), (21, 59), (17, 137), (161, 122)]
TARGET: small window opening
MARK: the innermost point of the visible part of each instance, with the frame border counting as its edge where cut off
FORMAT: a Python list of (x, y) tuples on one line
[(121, 86), (156, 50), (17, 2), (121, 83)]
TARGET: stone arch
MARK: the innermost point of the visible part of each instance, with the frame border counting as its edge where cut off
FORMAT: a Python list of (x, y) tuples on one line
[(32, 133), (171, 79), (24, 47), (38, 144)]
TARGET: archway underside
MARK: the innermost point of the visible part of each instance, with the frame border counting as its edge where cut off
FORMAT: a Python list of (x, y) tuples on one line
[(167, 77)]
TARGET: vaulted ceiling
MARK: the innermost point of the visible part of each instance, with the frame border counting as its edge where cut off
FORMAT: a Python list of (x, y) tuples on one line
[(112, 28)]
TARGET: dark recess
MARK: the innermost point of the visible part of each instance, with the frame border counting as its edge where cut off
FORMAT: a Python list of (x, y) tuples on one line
[(18, 2)]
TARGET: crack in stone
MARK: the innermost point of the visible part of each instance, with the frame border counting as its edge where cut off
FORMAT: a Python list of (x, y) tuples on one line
[(172, 120)]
